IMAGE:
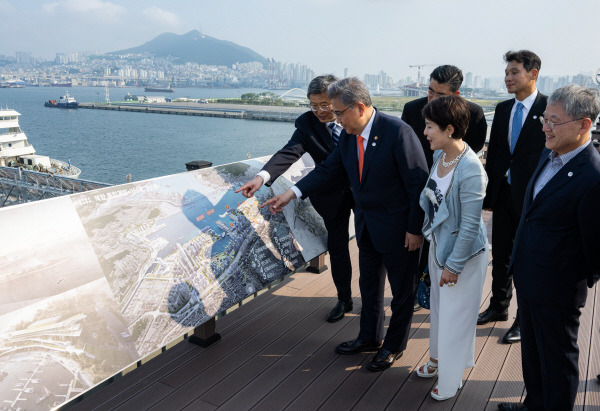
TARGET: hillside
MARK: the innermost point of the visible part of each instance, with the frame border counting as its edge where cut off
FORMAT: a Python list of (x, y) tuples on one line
[(196, 47)]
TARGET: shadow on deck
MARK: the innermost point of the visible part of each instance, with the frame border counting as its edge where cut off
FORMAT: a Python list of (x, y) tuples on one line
[(277, 352)]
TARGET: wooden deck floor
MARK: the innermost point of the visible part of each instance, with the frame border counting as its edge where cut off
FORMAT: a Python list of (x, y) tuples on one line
[(277, 352)]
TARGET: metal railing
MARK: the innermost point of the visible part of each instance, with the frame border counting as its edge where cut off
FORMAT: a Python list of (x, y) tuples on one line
[(19, 186)]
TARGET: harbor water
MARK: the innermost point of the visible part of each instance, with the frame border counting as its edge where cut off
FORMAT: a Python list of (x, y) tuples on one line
[(108, 145)]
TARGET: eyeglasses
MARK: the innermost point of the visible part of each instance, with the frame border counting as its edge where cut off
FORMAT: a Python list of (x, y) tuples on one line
[(436, 94), (322, 107), (551, 125), (339, 113)]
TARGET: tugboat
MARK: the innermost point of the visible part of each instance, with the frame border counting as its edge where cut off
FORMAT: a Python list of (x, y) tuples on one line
[(65, 101), (15, 150)]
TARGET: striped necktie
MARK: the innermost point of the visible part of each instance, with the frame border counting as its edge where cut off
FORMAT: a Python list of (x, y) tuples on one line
[(335, 135)]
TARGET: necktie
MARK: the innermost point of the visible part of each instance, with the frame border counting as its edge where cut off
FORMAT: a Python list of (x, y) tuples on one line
[(517, 125), (335, 135), (361, 155)]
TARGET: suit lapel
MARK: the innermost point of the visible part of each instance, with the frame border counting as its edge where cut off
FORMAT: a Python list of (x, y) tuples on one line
[(565, 175), (323, 134), (350, 148), (503, 121), (372, 146), (532, 121)]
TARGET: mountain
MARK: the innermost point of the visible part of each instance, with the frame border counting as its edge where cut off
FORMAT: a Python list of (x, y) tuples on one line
[(196, 47)]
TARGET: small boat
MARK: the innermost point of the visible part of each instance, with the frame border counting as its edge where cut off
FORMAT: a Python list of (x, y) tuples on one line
[(65, 101)]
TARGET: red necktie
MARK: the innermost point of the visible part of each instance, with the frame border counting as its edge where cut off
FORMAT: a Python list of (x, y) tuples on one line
[(361, 155)]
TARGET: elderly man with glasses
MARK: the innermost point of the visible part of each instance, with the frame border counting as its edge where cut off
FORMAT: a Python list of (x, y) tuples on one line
[(555, 254), (317, 133), (382, 158)]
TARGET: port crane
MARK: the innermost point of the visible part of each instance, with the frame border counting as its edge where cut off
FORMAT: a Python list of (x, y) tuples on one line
[(419, 67)]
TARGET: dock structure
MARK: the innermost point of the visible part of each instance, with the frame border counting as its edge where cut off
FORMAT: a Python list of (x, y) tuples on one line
[(277, 352), (19, 186), (236, 111)]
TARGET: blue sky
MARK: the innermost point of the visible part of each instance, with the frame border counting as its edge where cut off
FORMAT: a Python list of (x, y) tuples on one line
[(328, 35)]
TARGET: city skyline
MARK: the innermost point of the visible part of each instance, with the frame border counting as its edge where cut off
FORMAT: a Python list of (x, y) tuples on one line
[(390, 36)]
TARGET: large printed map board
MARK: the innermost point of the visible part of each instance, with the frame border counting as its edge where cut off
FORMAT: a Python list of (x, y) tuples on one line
[(91, 283)]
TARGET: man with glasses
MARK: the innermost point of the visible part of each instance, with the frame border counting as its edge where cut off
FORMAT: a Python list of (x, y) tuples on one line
[(445, 81), (516, 141), (555, 255), (317, 133), (382, 158)]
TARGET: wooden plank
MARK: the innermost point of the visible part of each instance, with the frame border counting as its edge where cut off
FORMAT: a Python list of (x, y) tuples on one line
[(295, 346)]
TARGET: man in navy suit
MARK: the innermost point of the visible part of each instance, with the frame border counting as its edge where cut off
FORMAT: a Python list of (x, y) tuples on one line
[(317, 134), (382, 158), (555, 255), (516, 141)]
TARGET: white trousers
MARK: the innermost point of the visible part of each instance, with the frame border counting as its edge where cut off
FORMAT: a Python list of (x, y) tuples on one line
[(453, 318)]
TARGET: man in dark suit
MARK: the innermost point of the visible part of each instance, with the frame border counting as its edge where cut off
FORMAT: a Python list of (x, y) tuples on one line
[(382, 158), (516, 141), (555, 256), (317, 133), (445, 81)]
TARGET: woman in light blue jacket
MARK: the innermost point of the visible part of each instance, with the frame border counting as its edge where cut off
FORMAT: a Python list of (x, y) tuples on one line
[(458, 252)]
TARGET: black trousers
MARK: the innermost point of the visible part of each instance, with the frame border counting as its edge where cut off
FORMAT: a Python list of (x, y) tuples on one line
[(400, 267), (337, 244), (549, 354), (505, 220)]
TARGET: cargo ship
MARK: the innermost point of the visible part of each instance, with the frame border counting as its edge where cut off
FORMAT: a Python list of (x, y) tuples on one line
[(65, 101), (152, 89)]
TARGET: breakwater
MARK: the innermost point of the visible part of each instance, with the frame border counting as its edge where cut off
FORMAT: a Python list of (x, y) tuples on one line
[(237, 111)]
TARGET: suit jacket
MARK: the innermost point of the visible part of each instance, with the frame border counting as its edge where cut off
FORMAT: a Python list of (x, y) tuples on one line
[(525, 156), (475, 136), (386, 200), (555, 253), (312, 137)]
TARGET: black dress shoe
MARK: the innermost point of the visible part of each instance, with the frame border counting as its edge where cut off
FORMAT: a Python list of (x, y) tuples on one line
[(512, 406), (337, 313), (417, 307), (356, 346), (513, 335), (491, 315), (383, 360)]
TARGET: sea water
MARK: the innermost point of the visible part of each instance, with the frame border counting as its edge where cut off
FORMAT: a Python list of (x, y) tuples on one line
[(109, 145)]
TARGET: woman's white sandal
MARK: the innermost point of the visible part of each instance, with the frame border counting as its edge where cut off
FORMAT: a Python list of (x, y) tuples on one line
[(423, 370), (438, 397)]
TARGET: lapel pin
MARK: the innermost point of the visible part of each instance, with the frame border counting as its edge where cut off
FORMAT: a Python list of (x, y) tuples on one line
[(375, 138), (570, 174), (374, 144), (534, 117)]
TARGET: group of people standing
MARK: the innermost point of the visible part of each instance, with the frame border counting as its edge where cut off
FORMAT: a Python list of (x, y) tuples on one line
[(417, 182)]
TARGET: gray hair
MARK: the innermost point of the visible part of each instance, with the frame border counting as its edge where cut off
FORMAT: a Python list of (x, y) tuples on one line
[(319, 84), (350, 91), (578, 102)]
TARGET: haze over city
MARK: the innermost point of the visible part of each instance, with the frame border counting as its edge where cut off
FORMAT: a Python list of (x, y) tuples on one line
[(328, 35)]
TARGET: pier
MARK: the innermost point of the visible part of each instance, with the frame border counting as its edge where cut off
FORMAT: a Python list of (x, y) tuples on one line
[(236, 111)]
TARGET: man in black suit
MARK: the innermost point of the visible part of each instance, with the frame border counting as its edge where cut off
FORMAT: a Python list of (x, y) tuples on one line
[(516, 141), (317, 133), (445, 81), (555, 256), (382, 158)]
